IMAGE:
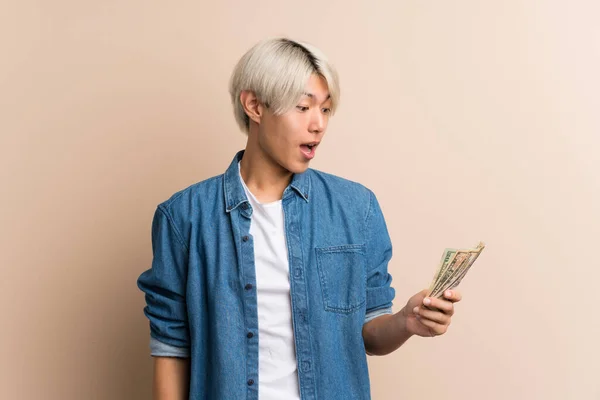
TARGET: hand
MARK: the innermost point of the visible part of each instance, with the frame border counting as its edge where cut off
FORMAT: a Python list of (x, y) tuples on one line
[(427, 316)]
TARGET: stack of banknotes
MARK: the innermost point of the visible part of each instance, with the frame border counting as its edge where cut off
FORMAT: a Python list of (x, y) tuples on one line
[(453, 267)]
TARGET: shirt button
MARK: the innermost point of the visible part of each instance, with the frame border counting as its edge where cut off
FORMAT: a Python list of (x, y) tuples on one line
[(250, 382), (250, 335), (248, 286), (306, 366), (244, 206), (245, 238)]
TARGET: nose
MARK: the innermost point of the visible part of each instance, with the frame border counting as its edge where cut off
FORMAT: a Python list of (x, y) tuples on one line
[(318, 122)]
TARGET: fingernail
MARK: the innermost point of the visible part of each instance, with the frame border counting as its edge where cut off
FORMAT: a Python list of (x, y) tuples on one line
[(427, 301), (448, 293), (416, 310)]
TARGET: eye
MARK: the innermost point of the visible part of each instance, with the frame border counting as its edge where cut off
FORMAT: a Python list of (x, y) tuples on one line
[(326, 110), (302, 108)]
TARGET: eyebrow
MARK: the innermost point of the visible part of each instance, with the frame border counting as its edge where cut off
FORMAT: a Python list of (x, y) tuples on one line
[(312, 95)]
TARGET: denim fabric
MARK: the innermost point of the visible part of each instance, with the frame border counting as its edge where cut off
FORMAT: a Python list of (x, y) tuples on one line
[(200, 290), (160, 349)]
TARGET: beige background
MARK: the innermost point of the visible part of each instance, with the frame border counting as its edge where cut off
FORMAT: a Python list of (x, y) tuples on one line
[(471, 120)]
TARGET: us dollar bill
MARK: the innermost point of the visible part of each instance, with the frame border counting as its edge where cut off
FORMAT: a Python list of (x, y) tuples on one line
[(452, 268), (457, 278), (447, 257)]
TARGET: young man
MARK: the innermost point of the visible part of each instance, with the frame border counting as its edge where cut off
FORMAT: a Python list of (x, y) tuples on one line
[(270, 281)]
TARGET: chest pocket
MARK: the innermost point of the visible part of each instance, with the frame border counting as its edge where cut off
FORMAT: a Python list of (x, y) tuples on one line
[(343, 277)]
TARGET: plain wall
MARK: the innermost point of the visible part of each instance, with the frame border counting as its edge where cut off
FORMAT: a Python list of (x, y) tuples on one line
[(471, 120)]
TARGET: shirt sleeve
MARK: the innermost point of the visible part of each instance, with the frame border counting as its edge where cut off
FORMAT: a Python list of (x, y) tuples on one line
[(164, 284), (160, 349), (377, 313), (379, 252)]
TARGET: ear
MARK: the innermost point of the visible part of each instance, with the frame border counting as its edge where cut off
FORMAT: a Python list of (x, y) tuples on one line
[(253, 108)]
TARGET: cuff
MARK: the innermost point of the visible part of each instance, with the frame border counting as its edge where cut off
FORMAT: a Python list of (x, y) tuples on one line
[(377, 313), (160, 349)]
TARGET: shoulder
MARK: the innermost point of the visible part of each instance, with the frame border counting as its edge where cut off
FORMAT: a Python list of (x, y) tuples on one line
[(324, 180), (191, 200), (342, 191)]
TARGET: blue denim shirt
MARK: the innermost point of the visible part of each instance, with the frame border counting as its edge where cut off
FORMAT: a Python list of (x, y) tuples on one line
[(201, 288)]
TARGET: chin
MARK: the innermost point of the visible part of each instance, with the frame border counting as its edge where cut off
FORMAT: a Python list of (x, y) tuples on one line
[(296, 168)]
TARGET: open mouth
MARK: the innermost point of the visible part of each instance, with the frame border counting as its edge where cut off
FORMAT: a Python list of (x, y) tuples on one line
[(309, 149)]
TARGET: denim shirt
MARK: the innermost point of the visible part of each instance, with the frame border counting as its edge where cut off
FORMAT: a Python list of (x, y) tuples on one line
[(201, 289)]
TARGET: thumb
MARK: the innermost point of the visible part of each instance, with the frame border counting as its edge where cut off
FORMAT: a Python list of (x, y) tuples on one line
[(417, 299)]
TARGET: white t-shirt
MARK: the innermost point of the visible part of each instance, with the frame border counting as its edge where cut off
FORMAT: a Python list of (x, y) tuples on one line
[(277, 368)]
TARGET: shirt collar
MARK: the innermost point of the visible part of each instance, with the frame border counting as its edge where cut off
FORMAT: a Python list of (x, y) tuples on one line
[(234, 191)]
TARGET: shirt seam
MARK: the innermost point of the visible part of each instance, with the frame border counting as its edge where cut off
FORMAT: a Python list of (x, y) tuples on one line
[(369, 209), (174, 227)]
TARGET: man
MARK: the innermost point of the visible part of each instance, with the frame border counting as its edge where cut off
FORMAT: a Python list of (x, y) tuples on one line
[(270, 281)]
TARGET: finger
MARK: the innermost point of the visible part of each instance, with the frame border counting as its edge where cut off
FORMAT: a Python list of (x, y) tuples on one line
[(434, 327), (431, 315), (453, 295), (420, 296), (445, 306), (417, 299)]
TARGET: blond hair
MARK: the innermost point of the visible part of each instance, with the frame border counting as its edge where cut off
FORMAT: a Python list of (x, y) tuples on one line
[(277, 71)]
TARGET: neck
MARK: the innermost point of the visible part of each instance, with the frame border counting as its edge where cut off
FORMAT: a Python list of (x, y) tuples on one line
[(264, 177)]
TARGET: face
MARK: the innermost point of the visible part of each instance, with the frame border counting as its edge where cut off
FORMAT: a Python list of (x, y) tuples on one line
[(292, 139)]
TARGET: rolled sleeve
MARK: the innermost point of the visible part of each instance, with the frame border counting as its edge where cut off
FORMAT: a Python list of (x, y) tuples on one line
[(377, 313), (160, 349), (379, 252), (164, 284)]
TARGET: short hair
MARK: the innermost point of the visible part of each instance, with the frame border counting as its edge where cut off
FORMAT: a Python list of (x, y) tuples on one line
[(277, 71)]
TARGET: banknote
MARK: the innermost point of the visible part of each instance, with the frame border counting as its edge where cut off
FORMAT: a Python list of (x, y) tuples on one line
[(447, 257), (457, 278), (454, 265)]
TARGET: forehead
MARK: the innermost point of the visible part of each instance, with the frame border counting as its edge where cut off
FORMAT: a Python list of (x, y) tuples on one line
[(316, 89)]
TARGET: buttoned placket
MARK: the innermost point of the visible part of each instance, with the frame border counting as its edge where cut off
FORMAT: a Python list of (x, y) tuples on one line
[(245, 251), (299, 293)]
